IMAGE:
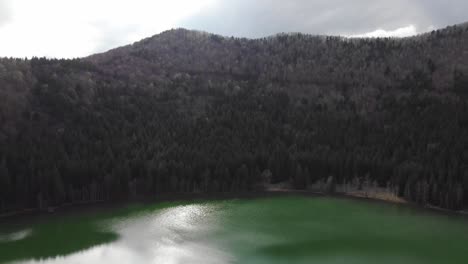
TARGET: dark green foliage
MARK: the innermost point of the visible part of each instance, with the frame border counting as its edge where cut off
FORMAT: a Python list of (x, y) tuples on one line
[(5, 185), (183, 112), (460, 83)]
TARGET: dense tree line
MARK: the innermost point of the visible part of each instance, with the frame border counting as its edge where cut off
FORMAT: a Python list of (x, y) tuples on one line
[(187, 111)]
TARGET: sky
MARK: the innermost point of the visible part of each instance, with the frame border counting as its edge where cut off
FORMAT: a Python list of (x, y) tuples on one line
[(77, 28)]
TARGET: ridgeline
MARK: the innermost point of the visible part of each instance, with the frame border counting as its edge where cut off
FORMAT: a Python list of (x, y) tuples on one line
[(187, 111)]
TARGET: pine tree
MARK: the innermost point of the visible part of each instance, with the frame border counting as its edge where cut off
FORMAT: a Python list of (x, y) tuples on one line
[(58, 190), (5, 184)]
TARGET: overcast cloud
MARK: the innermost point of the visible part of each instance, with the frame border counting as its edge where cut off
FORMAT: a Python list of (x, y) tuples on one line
[(75, 28), (4, 12)]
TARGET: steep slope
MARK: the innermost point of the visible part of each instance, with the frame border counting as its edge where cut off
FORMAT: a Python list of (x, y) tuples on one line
[(296, 59), (187, 111)]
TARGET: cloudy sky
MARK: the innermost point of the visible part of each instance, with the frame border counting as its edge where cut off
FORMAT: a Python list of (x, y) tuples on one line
[(76, 28)]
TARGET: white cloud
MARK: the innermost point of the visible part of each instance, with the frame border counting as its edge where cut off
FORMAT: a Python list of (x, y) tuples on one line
[(75, 28), (4, 11), (397, 33), (57, 28)]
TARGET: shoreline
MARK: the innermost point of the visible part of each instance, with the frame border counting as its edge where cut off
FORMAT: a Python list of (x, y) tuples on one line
[(374, 198), (71, 208), (170, 197)]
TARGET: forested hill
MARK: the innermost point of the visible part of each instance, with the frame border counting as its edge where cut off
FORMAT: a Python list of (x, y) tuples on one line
[(187, 111)]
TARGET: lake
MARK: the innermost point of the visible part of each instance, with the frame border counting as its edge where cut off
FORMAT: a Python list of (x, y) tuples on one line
[(290, 229)]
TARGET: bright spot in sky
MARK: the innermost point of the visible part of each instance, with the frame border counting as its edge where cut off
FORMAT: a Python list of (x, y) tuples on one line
[(381, 33), (57, 28), (78, 28)]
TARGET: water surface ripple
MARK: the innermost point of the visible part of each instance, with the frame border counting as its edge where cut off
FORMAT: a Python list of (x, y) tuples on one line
[(275, 230)]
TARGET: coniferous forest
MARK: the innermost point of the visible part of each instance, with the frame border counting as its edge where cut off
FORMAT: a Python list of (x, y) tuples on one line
[(187, 111)]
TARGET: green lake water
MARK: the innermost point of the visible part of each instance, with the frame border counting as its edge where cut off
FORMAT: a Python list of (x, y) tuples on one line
[(267, 230)]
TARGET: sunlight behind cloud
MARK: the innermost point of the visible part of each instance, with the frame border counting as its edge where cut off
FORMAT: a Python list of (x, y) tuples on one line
[(74, 28), (55, 28), (397, 33)]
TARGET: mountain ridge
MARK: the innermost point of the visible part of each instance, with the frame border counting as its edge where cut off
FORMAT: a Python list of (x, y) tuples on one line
[(184, 112), (462, 25)]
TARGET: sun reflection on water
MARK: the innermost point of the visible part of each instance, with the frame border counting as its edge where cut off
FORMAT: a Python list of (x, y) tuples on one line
[(170, 236), (16, 236)]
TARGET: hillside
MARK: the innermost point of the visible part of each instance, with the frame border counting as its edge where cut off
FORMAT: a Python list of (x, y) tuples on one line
[(187, 111)]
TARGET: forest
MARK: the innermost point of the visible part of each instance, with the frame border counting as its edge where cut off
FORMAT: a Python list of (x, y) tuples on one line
[(192, 112)]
